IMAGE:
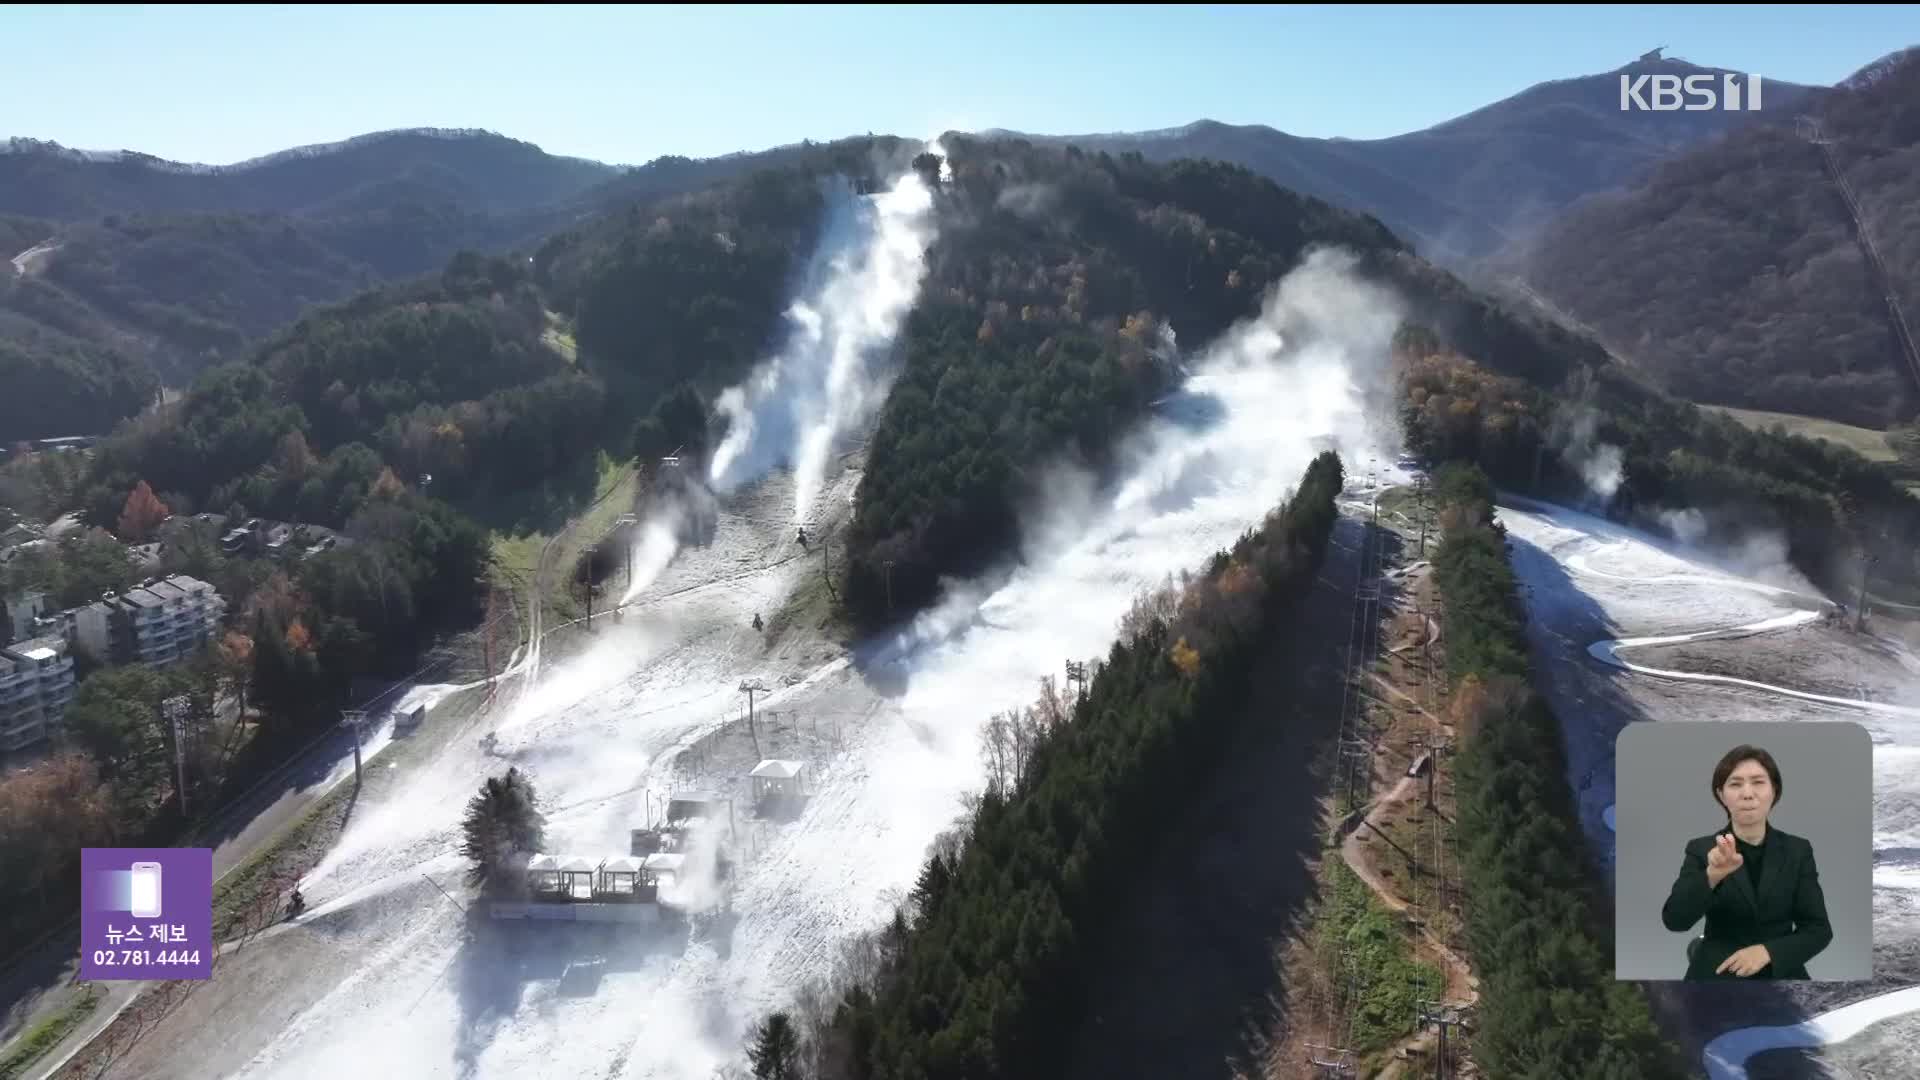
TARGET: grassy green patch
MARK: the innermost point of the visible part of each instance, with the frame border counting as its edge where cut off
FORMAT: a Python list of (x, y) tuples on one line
[(615, 490), (516, 555), (1868, 443), (47, 1034), (559, 337), (1388, 984), (810, 605)]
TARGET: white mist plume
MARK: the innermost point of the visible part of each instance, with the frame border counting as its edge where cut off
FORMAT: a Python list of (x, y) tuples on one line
[(1602, 466), (656, 545), (1028, 200), (1756, 553), (1271, 392), (832, 373)]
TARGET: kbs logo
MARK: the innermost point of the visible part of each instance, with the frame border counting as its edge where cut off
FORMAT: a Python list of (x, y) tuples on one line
[(1664, 93)]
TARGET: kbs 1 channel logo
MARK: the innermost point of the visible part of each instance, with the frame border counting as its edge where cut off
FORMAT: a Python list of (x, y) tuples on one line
[(1729, 92)]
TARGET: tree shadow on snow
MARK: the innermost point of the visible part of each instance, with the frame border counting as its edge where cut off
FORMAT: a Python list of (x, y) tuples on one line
[(507, 966)]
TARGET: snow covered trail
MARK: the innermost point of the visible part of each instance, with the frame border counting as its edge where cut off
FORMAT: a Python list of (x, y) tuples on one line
[(1644, 583), (1726, 1056), (1609, 652)]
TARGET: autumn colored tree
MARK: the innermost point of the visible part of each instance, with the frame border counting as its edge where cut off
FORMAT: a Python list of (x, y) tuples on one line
[(388, 486), (47, 814), (234, 657), (293, 458), (142, 514), (1185, 657)]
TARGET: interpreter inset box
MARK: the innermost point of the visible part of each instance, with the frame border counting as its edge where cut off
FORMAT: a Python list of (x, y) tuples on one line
[(1743, 851)]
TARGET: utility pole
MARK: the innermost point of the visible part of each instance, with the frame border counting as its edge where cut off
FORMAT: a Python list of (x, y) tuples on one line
[(1443, 1015), (826, 569), (175, 710), (1860, 610), (1077, 674), (1355, 750), (628, 521), (487, 647), (352, 718), (751, 687), (1421, 486)]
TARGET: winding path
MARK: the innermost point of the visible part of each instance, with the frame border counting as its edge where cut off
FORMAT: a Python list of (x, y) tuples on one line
[(1725, 1057)]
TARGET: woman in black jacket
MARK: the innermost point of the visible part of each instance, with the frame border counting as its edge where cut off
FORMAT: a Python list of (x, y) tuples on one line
[(1756, 885)]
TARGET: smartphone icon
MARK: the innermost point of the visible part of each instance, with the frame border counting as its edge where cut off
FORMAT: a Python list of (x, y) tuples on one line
[(146, 890)]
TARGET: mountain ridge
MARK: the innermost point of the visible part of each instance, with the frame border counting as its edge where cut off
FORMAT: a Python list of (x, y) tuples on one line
[(1469, 185)]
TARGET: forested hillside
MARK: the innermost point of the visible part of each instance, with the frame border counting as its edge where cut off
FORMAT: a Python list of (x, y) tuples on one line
[(1039, 336), (983, 973), (1734, 275), (1828, 501), (1539, 933), (477, 168), (151, 271)]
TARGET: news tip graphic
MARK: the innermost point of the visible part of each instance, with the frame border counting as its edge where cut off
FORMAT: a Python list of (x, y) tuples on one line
[(146, 913)]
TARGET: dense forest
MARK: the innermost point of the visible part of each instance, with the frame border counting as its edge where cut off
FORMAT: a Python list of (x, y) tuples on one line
[(1733, 273), (1829, 503), (1537, 930), (156, 271), (1040, 335), (983, 973), (59, 385)]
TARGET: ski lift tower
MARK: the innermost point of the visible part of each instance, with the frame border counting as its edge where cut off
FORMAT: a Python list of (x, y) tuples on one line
[(353, 719)]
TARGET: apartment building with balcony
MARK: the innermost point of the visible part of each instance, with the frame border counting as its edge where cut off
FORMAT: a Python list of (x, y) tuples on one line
[(158, 623), (36, 686)]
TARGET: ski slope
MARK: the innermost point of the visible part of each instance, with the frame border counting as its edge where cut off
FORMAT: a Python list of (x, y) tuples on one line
[(1636, 582), (390, 976)]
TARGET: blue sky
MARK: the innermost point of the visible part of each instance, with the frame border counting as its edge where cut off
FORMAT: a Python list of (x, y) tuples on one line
[(628, 84)]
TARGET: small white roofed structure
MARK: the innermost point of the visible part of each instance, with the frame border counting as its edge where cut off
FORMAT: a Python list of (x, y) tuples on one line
[(620, 877), (778, 778), (543, 874), (578, 873), (664, 862)]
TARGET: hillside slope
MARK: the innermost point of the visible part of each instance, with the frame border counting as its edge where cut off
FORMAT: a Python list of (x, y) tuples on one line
[(130, 263), (1735, 274), (475, 168), (1464, 188)]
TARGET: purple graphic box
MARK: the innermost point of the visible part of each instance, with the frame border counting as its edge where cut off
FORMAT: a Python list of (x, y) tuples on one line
[(146, 913)]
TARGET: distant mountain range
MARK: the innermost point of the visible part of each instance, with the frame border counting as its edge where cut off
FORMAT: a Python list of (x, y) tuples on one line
[(1735, 273), (120, 271), (1472, 185), (474, 169), (128, 263)]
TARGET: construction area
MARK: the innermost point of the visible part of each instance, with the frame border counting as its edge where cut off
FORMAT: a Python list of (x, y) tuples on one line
[(1377, 982)]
